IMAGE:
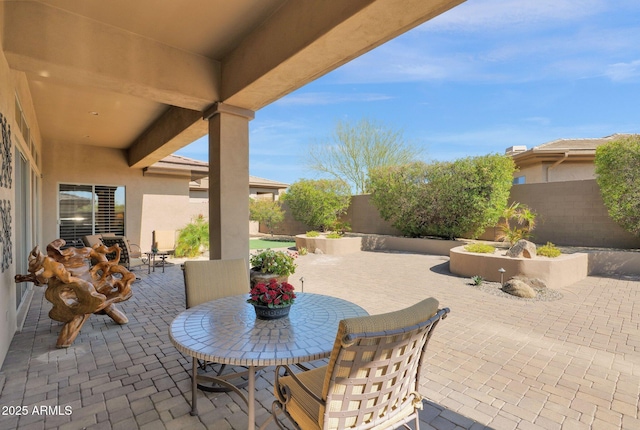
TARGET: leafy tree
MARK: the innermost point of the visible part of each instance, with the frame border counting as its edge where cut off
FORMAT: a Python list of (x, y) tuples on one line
[(618, 175), (193, 238), (268, 212), (356, 148), (445, 199), (318, 203)]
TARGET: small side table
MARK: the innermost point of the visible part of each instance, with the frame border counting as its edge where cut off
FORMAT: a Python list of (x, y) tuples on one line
[(151, 256)]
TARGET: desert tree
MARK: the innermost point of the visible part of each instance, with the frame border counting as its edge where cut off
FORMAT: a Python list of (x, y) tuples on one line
[(356, 148)]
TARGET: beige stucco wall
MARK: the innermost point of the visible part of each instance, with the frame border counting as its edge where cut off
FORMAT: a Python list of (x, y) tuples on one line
[(533, 174), (558, 272), (12, 83), (566, 171), (365, 218), (7, 287), (572, 171), (152, 202)]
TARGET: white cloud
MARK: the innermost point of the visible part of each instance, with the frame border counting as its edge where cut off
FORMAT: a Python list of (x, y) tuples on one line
[(570, 52), (483, 15), (621, 72)]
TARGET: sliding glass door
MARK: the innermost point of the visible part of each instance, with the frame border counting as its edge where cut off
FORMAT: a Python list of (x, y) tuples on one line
[(90, 209)]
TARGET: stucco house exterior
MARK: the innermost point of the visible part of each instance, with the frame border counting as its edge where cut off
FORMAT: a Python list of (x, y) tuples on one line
[(196, 202), (561, 160), (94, 93), (558, 181)]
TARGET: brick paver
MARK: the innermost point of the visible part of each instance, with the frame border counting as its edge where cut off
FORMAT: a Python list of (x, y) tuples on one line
[(495, 362)]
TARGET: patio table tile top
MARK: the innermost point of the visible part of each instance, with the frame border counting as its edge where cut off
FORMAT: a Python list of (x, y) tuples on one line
[(213, 334), (495, 362)]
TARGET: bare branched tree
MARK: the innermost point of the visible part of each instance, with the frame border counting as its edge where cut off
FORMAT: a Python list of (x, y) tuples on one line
[(356, 148)]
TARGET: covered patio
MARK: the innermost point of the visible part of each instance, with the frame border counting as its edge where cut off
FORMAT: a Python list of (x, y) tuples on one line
[(495, 362), (93, 93)]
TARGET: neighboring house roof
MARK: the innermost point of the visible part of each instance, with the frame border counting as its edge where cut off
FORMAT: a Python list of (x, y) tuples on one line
[(177, 165), (561, 149), (257, 182)]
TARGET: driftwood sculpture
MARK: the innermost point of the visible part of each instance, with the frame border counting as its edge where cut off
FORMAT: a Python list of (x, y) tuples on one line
[(78, 289)]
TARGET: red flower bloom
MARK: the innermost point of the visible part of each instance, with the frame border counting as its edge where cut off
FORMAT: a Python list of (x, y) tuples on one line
[(272, 294)]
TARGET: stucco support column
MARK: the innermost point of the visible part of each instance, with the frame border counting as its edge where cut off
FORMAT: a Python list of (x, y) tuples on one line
[(228, 181)]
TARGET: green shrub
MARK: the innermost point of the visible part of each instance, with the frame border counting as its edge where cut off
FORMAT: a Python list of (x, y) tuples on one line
[(480, 248), (477, 280), (340, 227), (303, 251), (617, 172), (334, 235), (280, 263), (445, 199), (318, 203), (548, 250), (313, 233), (193, 238)]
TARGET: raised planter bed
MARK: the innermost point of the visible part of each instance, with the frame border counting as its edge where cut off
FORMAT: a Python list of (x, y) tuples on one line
[(341, 246), (372, 242), (556, 272)]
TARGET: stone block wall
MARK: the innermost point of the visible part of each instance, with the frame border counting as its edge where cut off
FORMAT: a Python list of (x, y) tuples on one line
[(570, 213)]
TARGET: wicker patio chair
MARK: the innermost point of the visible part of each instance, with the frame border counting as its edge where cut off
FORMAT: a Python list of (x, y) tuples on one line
[(372, 378), (131, 254), (206, 280)]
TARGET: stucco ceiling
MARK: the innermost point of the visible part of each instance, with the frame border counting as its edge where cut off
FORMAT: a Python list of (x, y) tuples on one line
[(211, 28), (105, 73), (68, 112)]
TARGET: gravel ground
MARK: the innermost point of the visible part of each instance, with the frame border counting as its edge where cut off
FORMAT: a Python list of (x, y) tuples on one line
[(493, 288)]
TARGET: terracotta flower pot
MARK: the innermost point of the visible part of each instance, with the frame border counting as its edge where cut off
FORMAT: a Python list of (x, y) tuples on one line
[(256, 277)]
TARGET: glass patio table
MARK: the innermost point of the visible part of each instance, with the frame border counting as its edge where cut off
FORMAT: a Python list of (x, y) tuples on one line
[(226, 331)]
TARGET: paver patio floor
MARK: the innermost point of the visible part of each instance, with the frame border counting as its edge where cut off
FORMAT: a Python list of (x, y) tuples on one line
[(495, 362)]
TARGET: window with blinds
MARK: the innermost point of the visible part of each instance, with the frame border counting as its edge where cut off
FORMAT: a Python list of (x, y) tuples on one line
[(90, 209)]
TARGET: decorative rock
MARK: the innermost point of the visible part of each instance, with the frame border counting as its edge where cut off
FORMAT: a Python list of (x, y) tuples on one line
[(532, 282), (318, 251), (522, 248), (518, 288)]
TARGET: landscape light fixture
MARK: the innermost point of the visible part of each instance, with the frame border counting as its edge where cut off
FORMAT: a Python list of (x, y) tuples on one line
[(501, 270)]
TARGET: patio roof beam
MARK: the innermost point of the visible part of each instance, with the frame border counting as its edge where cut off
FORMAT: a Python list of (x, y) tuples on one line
[(294, 47), (62, 46), (175, 129)]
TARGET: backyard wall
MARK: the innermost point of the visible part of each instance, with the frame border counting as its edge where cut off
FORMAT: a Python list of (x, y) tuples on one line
[(570, 213)]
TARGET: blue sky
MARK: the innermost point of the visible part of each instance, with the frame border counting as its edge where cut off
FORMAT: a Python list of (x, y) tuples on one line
[(475, 80)]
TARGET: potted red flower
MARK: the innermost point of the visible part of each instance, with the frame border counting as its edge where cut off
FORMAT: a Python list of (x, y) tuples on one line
[(272, 300)]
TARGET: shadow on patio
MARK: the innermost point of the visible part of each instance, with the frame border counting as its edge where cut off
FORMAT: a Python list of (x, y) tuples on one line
[(495, 362)]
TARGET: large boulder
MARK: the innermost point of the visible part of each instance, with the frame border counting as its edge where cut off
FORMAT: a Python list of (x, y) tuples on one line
[(522, 248), (535, 283), (518, 288)]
